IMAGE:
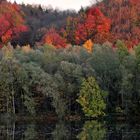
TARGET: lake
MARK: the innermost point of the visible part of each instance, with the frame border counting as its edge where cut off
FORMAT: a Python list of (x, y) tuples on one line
[(88, 130)]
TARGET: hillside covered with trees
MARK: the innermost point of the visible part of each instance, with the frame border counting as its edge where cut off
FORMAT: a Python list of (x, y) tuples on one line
[(69, 63)]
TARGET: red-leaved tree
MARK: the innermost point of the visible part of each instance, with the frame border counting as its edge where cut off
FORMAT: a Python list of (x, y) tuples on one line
[(11, 22), (52, 37), (95, 26), (91, 24)]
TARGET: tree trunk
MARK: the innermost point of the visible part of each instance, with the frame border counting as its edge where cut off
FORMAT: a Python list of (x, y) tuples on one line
[(13, 133), (13, 102)]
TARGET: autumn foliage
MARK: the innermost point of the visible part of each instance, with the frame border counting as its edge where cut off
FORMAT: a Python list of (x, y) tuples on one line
[(87, 28), (109, 20), (95, 27), (125, 20), (11, 22), (88, 45), (91, 24), (52, 37), (105, 21)]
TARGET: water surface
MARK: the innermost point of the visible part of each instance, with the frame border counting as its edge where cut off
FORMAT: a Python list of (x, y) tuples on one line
[(88, 130)]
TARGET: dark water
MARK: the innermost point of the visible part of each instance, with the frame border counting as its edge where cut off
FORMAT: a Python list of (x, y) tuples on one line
[(89, 130)]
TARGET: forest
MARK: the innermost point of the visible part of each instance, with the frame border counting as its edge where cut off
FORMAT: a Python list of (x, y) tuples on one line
[(68, 64)]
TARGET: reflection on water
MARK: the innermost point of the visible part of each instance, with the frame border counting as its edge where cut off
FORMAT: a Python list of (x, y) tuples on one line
[(60, 132), (89, 130), (30, 132), (93, 130)]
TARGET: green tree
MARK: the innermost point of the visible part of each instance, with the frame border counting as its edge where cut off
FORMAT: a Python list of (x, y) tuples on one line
[(92, 98), (127, 90), (105, 62), (122, 50), (9, 70)]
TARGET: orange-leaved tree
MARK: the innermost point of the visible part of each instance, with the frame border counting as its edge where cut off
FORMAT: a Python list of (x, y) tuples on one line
[(88, 45), (52, 37), (11, 22)]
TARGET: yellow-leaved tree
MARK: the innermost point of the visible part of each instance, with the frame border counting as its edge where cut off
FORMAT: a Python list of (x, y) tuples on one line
[(88, 45)]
